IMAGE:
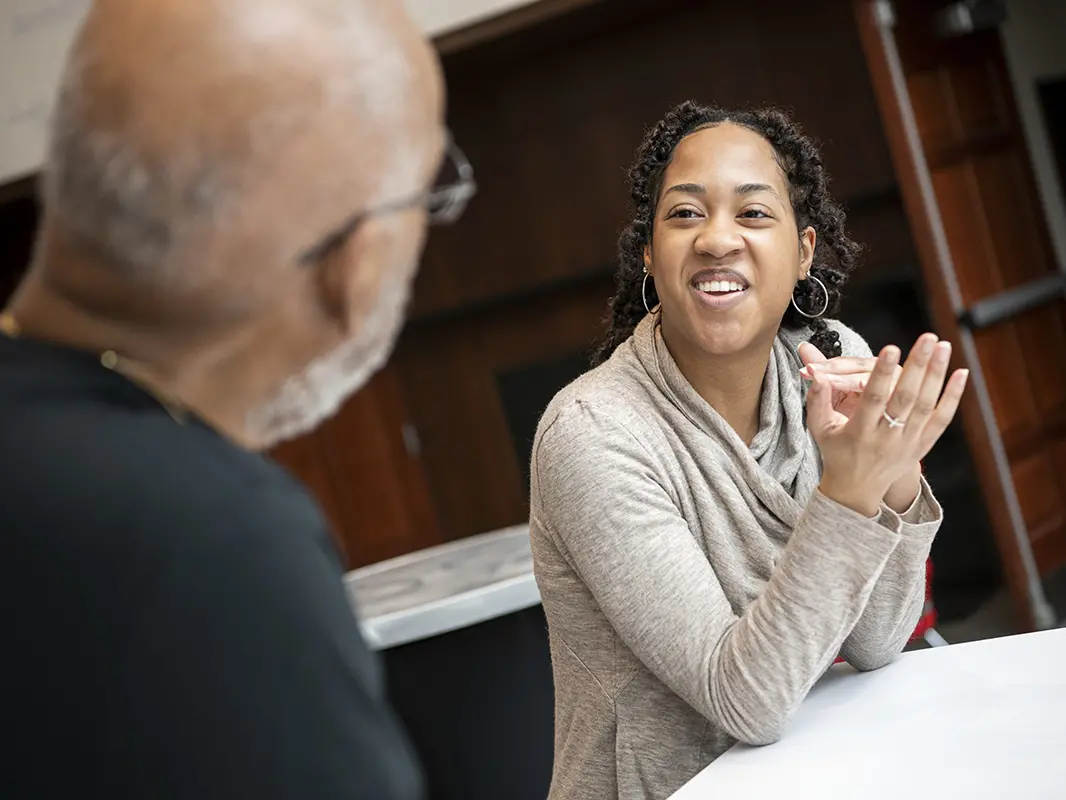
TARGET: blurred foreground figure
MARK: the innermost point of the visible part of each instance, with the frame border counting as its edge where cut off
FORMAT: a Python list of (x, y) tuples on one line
[(235, 202)]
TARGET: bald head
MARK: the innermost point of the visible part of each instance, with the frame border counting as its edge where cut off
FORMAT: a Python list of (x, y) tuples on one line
[(210, 196), (185, 127)]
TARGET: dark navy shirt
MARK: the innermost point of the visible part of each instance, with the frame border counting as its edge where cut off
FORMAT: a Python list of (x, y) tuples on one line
[(174, 621)]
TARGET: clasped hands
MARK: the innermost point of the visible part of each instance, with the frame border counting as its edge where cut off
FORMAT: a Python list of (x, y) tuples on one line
[(874, 420)]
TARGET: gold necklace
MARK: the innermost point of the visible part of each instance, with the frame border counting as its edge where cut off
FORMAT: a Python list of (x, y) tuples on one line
[(110, 361)]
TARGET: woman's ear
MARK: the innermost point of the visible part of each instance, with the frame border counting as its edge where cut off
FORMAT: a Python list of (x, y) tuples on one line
[(808, 240), (647, 258)]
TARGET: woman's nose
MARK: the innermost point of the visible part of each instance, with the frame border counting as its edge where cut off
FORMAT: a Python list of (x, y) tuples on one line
[(719, 237)]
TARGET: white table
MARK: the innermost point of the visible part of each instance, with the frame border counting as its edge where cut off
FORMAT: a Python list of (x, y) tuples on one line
[(979, 720), (465, 651), (444, 588)]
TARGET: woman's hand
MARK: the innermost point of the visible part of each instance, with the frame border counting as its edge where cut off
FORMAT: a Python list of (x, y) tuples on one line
[(893, 419), (848, 376)]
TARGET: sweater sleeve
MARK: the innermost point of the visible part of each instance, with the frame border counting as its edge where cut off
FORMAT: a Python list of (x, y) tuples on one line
[(597, 494), (895, 604)]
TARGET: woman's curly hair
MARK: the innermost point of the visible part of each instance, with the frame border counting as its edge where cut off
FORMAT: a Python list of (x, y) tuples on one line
[(835, 255)]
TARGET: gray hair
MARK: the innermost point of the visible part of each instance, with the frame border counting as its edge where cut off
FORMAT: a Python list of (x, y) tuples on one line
[(139, 207), (132, 206), (105, 189)]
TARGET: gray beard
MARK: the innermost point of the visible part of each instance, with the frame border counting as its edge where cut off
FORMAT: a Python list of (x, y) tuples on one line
[(304, 401)]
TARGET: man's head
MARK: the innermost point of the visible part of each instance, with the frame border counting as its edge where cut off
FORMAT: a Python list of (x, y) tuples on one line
[(201, 151)]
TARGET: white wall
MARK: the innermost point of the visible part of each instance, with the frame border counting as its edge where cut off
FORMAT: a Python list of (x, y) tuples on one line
[(35, 34), (438, 16), (1035, 40)]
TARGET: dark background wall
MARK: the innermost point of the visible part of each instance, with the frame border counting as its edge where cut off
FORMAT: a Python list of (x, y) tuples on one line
[(509, 301)]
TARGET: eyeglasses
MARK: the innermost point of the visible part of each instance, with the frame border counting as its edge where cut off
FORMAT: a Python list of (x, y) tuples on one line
[(445, 202)]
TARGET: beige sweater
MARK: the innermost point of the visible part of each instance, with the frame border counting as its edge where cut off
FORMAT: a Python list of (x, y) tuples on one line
[(695, 587)]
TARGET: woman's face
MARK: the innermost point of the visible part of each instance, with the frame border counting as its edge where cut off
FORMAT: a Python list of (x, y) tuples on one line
[(725, 253)]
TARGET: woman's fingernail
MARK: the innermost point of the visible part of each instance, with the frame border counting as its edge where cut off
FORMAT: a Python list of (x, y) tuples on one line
[(928, 345)]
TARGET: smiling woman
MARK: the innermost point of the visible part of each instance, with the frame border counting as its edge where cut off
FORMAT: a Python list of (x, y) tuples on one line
[(708, 534), (765, 142)]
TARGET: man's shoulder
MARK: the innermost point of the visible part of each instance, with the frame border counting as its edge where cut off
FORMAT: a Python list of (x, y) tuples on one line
[(137, 485), (206, 578)]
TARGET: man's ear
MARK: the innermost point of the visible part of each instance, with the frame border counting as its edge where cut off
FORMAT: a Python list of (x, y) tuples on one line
[(350, 277)]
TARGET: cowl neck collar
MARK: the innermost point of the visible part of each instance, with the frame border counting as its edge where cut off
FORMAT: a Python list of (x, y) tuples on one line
[(782, 464)]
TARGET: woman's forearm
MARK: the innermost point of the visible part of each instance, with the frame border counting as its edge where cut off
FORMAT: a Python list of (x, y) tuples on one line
[(766, 663), (896, 602)]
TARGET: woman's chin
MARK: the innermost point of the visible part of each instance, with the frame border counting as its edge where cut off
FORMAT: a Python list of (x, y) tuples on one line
[(723, 340), (719, 338)]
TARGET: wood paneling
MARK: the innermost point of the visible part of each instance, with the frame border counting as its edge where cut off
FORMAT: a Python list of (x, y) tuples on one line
[(979, 228), (306, 460), (550, 112), (450, 373), (361, 468), (550, 118), (550, 122)]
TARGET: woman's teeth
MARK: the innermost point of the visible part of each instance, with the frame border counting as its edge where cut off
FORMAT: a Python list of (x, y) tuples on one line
[(720, 286)]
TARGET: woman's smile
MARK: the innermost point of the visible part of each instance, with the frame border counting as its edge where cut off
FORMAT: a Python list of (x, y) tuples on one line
[(720, 289)]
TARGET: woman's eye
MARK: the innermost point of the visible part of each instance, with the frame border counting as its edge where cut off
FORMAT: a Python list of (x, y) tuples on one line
[(754, 213), (683, 213)]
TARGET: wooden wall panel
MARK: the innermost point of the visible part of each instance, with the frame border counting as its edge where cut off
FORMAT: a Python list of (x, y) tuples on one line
[(359, 466), (551, 129), (971, 198), (450, 373), (550, 119), (305, 460)]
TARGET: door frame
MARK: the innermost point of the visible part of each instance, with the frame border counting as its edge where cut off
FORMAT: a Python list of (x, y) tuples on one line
[(876, 22)]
